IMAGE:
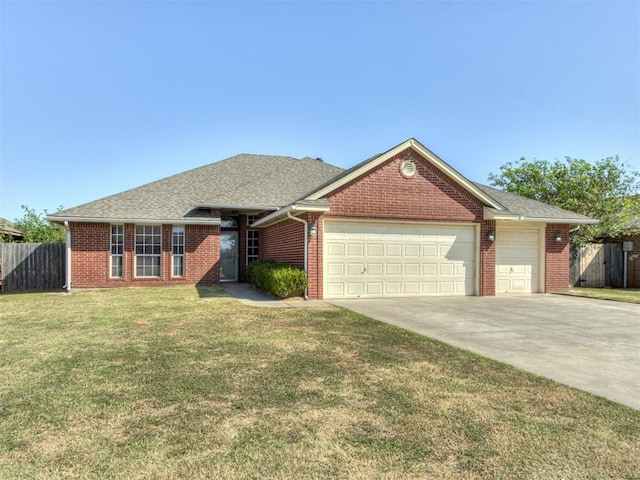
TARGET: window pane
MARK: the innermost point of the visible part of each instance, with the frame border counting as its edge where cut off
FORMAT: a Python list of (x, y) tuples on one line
[(178, 266), (116, 266), (148, 250)]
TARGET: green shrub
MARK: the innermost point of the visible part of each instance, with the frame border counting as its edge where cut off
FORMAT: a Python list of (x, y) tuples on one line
[(278, 279)]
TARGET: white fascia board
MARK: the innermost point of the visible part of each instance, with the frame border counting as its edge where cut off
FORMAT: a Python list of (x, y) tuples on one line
[(281, 214), (248, 208), (514, 217), (422, 150), (146, 221)]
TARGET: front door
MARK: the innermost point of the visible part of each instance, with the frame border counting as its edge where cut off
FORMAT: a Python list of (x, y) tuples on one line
[(229, 257)]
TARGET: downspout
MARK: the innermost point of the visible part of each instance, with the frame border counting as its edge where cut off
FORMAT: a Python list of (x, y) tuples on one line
[(306, 273), (67, 230)]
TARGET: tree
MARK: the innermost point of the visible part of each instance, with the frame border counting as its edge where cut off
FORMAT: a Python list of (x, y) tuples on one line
[(35, 229), (607, 190)]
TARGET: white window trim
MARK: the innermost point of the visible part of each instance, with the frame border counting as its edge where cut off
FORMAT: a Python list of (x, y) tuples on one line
[(174, 255), (247, 256), (111, 254), (136, 255)]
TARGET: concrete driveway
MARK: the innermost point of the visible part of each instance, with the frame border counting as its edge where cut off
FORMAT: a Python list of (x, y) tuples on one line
[(593, 345)]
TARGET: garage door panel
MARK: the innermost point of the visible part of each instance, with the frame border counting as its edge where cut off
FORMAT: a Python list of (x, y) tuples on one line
[(399, 259), (411, 288), (429, 250), (446, 269), (355, 269), (517, 260), (412, 269), (335, 249), (375, 250), (393, 250), (429, 269), (412, 250), (375, 288), (375, 269), (335, 289), (355, 288), (393, 288), (355, 249), (393, 269), (335, 269)]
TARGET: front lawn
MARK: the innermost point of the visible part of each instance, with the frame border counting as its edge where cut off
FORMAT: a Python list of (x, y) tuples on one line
[(182, 382), (629, 295)]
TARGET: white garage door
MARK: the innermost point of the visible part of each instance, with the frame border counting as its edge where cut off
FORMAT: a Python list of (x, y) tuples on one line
[(392, 259), (517, 260)]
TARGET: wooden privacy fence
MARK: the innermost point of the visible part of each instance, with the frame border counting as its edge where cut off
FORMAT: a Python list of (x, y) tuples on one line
[(28, 267), (597, 266)]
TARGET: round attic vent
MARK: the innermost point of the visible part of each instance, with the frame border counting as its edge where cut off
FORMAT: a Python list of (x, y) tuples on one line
[(408, 168)]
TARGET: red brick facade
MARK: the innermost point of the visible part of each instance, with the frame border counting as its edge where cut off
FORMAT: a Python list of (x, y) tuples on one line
[(283, 243), (383, 193), (557, 259), (91, 266), (633, 262)]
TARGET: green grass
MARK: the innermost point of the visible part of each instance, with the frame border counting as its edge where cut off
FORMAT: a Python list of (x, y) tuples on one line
[(180, 382), (629, 295)]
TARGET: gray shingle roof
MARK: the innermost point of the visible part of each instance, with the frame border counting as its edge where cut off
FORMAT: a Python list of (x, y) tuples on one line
[(242, 180), (528, 208), (260, 181), (8, 227)]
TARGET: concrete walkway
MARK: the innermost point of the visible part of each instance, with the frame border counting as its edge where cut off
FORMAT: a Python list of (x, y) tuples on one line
[(250, 296), (593, 345)]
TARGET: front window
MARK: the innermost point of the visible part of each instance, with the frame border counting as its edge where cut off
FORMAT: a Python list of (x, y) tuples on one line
[(148, 250), (117, 250), (253, 246), (177, 250)]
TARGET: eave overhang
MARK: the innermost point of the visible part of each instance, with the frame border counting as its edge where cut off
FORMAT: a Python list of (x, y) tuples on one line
[(493, 214), (146, 221), (239, 208), (296, 209)]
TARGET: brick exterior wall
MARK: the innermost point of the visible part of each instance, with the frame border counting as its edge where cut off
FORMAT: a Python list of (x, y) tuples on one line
[(487, 260), (385, 194), (90, 256), (283, 243), (633, 262), (557, 258)]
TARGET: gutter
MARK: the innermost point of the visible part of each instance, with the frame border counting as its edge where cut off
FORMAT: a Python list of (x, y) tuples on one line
[(491, 215), (279, 215), (306, 253), (67, 273), (141, 221)]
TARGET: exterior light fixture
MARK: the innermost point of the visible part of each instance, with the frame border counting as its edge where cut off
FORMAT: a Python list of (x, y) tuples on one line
[(558, 237), (313, 229), (491, 236)]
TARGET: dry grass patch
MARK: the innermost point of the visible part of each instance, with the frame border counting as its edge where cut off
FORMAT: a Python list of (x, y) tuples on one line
[(187, 383)]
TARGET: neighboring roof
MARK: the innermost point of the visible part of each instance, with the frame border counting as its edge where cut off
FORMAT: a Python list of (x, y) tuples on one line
[(7, 227), (516, 207), (259, 181)]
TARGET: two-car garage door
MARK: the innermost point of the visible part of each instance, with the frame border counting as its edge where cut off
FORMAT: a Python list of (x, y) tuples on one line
[(364, 259)]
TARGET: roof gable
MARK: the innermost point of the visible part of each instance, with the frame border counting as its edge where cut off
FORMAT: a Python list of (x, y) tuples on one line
[(373, 162)]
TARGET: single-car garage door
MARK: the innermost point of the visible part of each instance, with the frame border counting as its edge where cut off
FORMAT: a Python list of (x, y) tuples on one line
[(517, 260), (394, 259)]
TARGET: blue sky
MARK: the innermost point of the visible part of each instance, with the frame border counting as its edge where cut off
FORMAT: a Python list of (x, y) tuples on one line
[(98, 97)]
